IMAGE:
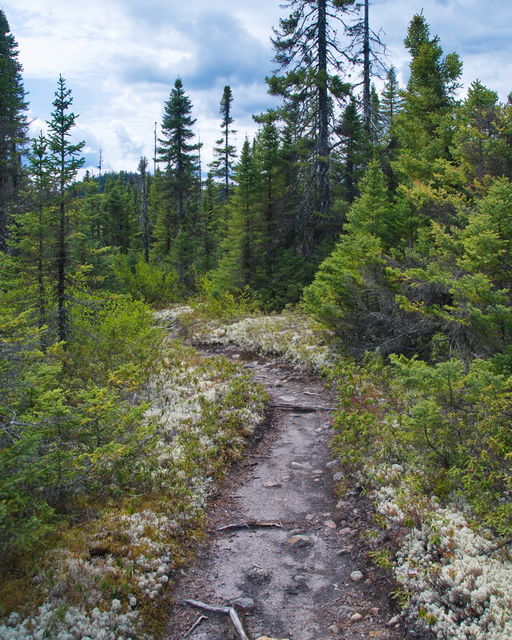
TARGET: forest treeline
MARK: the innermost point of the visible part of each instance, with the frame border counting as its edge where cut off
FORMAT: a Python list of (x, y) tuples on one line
[(386, 214)]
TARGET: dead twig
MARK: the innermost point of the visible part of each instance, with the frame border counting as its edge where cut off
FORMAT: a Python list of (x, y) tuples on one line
[(230, 611), (207, 607), (195, 625), (328, 604), (251, 524), (498, 547), (237, 623)]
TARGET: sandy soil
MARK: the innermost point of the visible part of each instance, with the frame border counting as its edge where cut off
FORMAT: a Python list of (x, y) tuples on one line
[(296, 579)]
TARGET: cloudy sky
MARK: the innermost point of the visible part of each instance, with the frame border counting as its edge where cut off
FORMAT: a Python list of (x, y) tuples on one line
[(121, 58)]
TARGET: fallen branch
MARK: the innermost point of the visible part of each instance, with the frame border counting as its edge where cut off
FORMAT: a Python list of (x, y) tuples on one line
[(195, 625), (237, 623), (497, 548), (230, 611), (207, 607), (251, 524), (295, 408)]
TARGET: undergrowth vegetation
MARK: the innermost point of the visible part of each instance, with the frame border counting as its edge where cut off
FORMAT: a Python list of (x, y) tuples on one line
[(155, 284), (431, 445), (72, 420), (128, 455), (447, 425)]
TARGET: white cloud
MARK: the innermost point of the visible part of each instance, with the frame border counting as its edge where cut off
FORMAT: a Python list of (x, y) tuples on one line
[(121, 57)]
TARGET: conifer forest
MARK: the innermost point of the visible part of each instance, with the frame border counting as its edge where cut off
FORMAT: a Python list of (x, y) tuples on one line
[(362, 237)]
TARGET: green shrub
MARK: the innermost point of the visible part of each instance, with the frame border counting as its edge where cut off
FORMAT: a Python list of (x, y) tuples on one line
[(223, 304), (72, 422), (155, 284), (446, 424)]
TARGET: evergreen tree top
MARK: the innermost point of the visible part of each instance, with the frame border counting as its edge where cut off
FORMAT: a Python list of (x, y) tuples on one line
[(4, 25), (177, 122), (434, 77), (418, 34), (65, 157), (10, 67)]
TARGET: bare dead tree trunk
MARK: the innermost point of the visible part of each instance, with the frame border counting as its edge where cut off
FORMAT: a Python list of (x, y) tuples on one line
[(367, 107), (144, 216)]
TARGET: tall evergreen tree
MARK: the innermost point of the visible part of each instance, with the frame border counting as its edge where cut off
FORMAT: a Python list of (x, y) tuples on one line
[(211, 223), (390, 100), (225, 151), (175, 224), (433, 78), (13, 125), (267, 153), (309, 54), (175, 150), (373, 211), (65, 160), (119, 214), (240, 264), (353, 150), (481, 141), (40, 171), (390, 106), (376, 130), (423, 126)]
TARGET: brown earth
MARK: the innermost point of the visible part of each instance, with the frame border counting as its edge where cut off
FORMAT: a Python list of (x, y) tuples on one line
[(295, 577)]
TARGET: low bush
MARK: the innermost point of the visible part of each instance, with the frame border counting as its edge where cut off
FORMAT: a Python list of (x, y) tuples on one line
[(447, 424), (155, 284)]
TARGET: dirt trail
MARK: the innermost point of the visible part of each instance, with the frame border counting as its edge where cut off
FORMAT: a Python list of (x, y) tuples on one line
[(295, 581)]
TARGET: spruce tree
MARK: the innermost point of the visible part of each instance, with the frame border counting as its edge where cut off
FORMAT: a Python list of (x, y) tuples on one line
[(65, 160), (175, 151), (353, 150), (119, 214), (424, 127), (178, 181), (240, 265), (433, 79), (267, 153), (311, 58), (224, 151), (376, 129), (480, 142), (40, 172), (26, 268), (212, 224), (390, 100), (13, 126), (373, 212), (390, 106)]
